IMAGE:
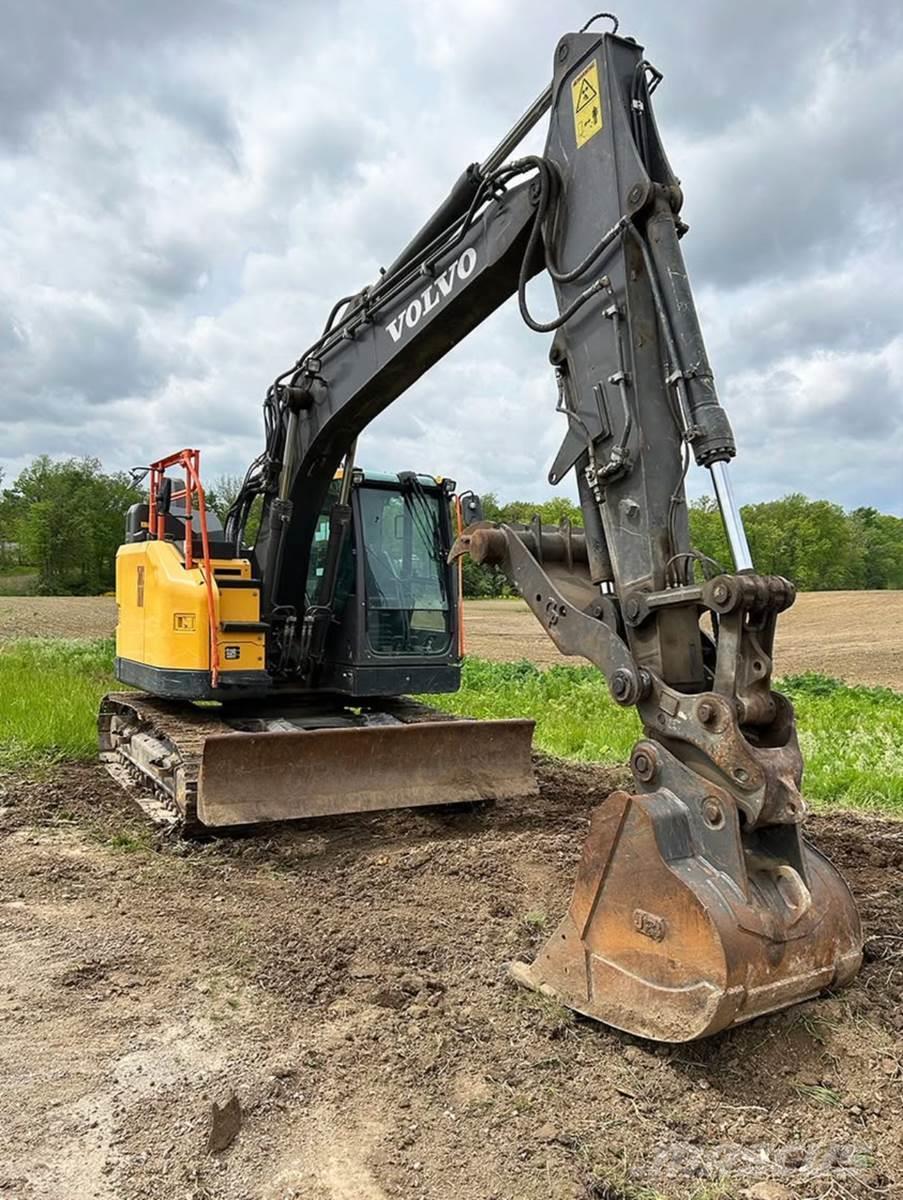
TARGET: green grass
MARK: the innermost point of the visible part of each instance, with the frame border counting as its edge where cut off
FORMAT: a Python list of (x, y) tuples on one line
[(50, 689), (574, 713), (852, 737), (852, 742), (18, 581)]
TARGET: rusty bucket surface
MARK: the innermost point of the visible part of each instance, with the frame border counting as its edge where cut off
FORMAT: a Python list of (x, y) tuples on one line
[(246, 778), (661, 944)]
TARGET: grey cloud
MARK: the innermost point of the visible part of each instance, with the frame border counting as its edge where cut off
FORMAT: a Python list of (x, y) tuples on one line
[(190, 186), (51, 51), (170, 268), (206, 113), (76, 353)]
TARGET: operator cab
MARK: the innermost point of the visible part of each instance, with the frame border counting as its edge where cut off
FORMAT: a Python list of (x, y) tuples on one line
[(395, 626)]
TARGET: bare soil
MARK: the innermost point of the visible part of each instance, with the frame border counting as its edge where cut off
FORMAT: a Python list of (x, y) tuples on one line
[(857, 636), (345, 982), (57, 616)]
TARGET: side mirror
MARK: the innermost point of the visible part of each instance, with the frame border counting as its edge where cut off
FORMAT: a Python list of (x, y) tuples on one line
[(471, 508), (164, 495)]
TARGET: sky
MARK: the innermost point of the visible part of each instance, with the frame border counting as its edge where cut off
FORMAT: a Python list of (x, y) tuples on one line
[(187, 187)]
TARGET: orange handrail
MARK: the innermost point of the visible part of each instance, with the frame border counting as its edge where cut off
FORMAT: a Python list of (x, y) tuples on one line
[(459, 522), (190, 462)]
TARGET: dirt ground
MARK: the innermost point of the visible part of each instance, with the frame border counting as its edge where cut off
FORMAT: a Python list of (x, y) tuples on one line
[(857, 636), (57, 616), (345, 982)]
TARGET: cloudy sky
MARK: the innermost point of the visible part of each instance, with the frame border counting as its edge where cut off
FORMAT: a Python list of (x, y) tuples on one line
[(188, 185)]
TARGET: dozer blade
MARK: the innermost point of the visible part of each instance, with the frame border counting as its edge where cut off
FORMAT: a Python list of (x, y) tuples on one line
[(246, 778), (661, 944)]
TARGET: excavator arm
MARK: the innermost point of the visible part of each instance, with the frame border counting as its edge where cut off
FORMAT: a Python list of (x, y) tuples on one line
[(698, 902)]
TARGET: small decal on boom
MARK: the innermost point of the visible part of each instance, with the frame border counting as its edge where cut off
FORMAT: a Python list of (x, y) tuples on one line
[(587, 101), (443, 285)]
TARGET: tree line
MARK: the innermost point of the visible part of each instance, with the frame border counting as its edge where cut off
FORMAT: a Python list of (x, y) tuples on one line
[(64, 520), (816, 544)]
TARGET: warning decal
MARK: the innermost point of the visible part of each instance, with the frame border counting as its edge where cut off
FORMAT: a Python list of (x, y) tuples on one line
[(587, 92), (587, 104)]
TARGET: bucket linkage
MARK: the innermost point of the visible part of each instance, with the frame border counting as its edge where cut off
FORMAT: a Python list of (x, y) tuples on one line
[(698, 903)]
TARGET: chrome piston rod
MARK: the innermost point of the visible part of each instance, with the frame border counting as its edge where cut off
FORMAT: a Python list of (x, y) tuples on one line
[(730, 515), (518, 132)]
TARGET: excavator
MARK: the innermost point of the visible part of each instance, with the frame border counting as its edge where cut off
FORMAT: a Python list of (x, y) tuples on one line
[(276, 679)]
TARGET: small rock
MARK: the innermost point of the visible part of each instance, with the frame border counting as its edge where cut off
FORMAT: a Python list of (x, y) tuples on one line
[(225, 1122), (389, 998), (363, 969), (768, 1190)]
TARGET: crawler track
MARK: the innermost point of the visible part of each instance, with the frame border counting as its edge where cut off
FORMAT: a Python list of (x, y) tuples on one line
[(154, 747)]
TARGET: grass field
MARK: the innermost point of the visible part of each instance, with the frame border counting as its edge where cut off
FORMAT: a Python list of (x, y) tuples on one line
[(17, 581), (49, 692), (852, 737)]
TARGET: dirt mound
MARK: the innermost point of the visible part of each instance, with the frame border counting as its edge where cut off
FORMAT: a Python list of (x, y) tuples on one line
[(345, 981)]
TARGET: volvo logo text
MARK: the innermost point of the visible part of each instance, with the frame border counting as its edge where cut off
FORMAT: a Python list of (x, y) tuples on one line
[(441, 286)]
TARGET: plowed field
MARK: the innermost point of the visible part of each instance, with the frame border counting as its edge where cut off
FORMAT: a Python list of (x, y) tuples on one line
[(856, 636)]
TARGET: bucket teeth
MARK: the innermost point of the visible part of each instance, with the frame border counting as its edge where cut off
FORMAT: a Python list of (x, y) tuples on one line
[(661, 944)]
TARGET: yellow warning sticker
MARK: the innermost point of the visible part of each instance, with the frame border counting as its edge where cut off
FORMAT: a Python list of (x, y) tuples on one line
[(587, 104)]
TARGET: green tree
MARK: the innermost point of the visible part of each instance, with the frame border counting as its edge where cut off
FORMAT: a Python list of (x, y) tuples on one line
[(221, 495), (7, 536), (707, 531), (812, 542), (69, 521), (809, 541)]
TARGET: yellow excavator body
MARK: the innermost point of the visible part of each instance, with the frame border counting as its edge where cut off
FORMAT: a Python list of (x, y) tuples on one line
[(164, 623)]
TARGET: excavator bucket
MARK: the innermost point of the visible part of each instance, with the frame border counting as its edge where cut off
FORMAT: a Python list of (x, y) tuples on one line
[(660, 943), (246, 778)]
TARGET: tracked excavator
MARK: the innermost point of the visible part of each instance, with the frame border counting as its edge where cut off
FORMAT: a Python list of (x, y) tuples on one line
[(276, 678)]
